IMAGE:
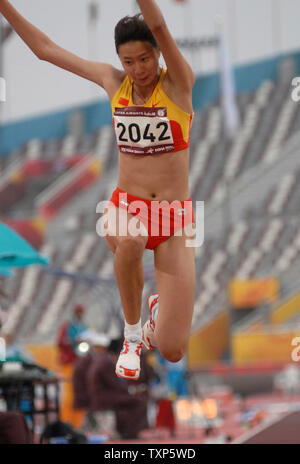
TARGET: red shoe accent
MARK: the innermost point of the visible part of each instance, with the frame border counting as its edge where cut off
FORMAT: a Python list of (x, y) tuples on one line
[(151, 346), (153, 302), (152, 323), (125, 347), (128, 373), (138, 348)]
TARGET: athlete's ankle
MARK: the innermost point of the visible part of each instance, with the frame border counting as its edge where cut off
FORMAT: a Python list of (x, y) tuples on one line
[(133, 331)]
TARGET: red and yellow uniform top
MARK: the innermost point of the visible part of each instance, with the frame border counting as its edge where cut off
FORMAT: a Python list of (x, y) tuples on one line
[(158, 126)]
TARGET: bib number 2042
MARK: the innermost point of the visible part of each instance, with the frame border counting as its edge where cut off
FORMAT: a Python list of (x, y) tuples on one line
[(135, 134)]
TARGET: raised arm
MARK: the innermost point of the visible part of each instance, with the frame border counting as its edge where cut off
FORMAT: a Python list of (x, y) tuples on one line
[(45, 49), (179, 70)]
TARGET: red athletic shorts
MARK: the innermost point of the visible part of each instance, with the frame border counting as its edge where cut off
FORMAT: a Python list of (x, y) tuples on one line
[(161, 218)]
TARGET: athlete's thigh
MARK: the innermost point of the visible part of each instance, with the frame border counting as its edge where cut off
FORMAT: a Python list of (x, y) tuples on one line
[(175, 277), (117, 225)]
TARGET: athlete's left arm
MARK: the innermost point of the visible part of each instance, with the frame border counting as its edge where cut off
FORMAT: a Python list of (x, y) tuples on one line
[(179, 70)]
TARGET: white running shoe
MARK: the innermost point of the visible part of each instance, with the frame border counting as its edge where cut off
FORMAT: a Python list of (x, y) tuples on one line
[(128, 365), (149, 326)]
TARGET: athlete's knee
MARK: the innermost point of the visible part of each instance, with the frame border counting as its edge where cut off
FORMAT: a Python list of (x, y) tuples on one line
[(132, 247), (172, 353)]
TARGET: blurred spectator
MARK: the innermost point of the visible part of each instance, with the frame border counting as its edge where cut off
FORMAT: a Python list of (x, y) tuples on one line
[(14, 429), (165, 417), (127, 399), (77, 326), (98, 344), (67, 343), (173, 375), (69, 335), (171, 385)]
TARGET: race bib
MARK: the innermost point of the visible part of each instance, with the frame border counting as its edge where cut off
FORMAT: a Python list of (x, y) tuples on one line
[(143, 131)]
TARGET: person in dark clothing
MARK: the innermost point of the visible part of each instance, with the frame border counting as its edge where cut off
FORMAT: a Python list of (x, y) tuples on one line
[(68, 338), (14, 429), (81, 399), (128, 399), (98, 344), (69, 334)]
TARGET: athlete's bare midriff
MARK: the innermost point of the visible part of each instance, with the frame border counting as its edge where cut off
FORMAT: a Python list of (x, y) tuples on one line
[(160, 176), (155, 177)]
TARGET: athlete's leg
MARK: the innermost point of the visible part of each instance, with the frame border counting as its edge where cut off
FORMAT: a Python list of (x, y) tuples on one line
[(128, 266), (175, 277), (128, 261)]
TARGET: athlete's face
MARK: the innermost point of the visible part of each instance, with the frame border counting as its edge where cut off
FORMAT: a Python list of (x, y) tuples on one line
[(140, 61)]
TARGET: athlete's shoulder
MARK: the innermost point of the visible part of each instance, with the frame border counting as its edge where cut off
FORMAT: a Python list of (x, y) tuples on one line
[(113, 81)]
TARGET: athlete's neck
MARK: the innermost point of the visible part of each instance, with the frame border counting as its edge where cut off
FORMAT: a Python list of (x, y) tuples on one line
[(145, 92)]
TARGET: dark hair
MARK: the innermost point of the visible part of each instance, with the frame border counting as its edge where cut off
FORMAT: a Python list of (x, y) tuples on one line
[(132, 28)]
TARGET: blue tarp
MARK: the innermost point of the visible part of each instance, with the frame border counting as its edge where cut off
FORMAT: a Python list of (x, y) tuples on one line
[(5, 272), (16, 252)]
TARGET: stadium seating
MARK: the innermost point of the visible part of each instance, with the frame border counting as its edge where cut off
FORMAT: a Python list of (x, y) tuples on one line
[(262, 237)]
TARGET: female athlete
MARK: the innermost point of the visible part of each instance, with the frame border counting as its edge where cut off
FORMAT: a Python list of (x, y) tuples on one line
[(152, 115)]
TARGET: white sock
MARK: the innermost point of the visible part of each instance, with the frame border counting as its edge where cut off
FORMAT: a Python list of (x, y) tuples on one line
[(133, 331)]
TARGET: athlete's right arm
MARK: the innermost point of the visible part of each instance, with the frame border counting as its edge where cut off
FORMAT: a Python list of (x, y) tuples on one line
[(45, 49)]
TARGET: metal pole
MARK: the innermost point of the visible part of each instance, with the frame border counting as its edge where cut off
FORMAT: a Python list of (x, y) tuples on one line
[(227, 203), (93, 42), (229, 264), (232, 19), (1, 45)]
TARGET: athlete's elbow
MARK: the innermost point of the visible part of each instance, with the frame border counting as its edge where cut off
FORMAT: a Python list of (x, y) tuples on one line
[(43, 51), (41, 54)]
